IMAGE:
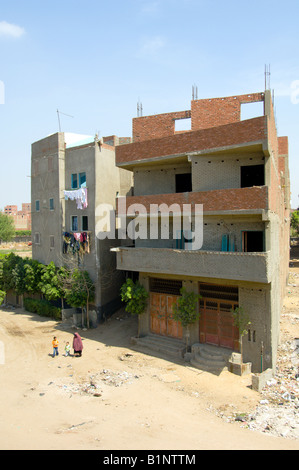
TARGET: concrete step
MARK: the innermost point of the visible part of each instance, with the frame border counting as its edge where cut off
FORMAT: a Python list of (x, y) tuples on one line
[(208, 357), (162, 344)]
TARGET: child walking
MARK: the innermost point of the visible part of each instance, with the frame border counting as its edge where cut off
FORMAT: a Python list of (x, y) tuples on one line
[(67, 349), (55, 344)]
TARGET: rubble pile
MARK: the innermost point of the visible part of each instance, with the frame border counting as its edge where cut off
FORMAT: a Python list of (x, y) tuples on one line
[(278, 411), (97, 383)]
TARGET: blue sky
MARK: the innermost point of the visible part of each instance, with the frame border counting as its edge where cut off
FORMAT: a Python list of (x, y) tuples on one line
[(94, 60)]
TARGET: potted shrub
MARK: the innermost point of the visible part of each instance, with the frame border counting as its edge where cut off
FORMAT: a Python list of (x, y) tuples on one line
[(241, 321), (186, 311), (135, 296)]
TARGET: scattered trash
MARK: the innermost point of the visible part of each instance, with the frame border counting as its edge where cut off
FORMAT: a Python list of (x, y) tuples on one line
[(277, 412)]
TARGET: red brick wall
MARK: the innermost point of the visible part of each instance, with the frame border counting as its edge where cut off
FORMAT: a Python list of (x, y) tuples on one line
[(230, 134), (219, 111), (157, 126), (204, 114), (218, 200), (283, 145)]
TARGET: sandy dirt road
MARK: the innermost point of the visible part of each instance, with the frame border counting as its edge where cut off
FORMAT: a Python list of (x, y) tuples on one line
[(113, 397)]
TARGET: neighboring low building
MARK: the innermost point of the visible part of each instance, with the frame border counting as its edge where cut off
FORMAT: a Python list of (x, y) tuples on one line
[(238, 170), (22, 218), (71, 177)]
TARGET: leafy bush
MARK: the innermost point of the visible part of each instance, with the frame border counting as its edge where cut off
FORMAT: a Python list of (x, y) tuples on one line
[(185, 310), (43, 308), (2, 296), (135, 296)]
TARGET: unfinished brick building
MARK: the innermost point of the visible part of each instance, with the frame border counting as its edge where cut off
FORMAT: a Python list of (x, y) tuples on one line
[(238, 170), (22, 218)]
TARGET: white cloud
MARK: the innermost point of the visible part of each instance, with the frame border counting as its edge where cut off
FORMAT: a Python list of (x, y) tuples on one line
[(11, 30)]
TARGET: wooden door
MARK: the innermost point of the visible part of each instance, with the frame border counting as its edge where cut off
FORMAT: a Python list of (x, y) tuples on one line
[(216, 323), (161, 321)]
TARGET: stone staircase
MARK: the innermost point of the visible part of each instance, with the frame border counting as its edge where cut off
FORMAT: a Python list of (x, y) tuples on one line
[(202, 356), (162, 344), (210, 358)]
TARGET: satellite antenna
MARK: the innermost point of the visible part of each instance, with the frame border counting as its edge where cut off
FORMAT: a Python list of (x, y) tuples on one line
[(194, 92), (267, 77), (59, 112), (139, 108)]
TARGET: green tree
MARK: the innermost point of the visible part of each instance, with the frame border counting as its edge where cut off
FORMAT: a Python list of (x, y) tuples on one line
[(7, 228), (79, 290), (186, 310), (32, 275), (51, 282), (19, 274), (135, 296), (12, 275), (2, 296), (241, 321), (295, 223)]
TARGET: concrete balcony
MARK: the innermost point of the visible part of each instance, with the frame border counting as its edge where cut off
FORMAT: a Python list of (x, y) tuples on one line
[(251, 267), (244, 200), (251, 133)]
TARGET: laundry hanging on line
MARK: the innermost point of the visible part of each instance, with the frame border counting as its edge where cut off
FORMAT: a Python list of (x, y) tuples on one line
[(78, 195), (78, 242)]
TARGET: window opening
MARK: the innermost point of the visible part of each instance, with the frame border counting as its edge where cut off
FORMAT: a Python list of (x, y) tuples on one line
[(183, 240), (82, 179), (84, 222), (213, 291), (74, 181), (37, 206), (183, 183), (252, 175), (252, 110), (74, 223), (165, 286), (253, 241), (51, 241), (182, 124), (51, 204), (37, 238)]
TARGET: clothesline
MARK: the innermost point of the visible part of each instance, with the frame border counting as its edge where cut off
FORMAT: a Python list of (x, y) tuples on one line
[(79, 195), (77, 242)]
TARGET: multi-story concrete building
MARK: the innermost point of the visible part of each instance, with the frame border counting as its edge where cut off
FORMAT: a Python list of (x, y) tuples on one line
[(71, 177), (22, 218), (238, 171)]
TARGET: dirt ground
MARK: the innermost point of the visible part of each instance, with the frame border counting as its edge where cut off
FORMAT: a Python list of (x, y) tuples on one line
[(115, 397)]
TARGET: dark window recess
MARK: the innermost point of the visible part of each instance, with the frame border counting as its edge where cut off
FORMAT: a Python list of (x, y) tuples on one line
[(74, 181), (183, 183), (213, 291), (165, 286), (85, 222), (253, 241), (253, 175)]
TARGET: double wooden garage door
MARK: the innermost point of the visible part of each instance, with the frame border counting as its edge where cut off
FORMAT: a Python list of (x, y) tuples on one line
[(161, 319), (216, 324)]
